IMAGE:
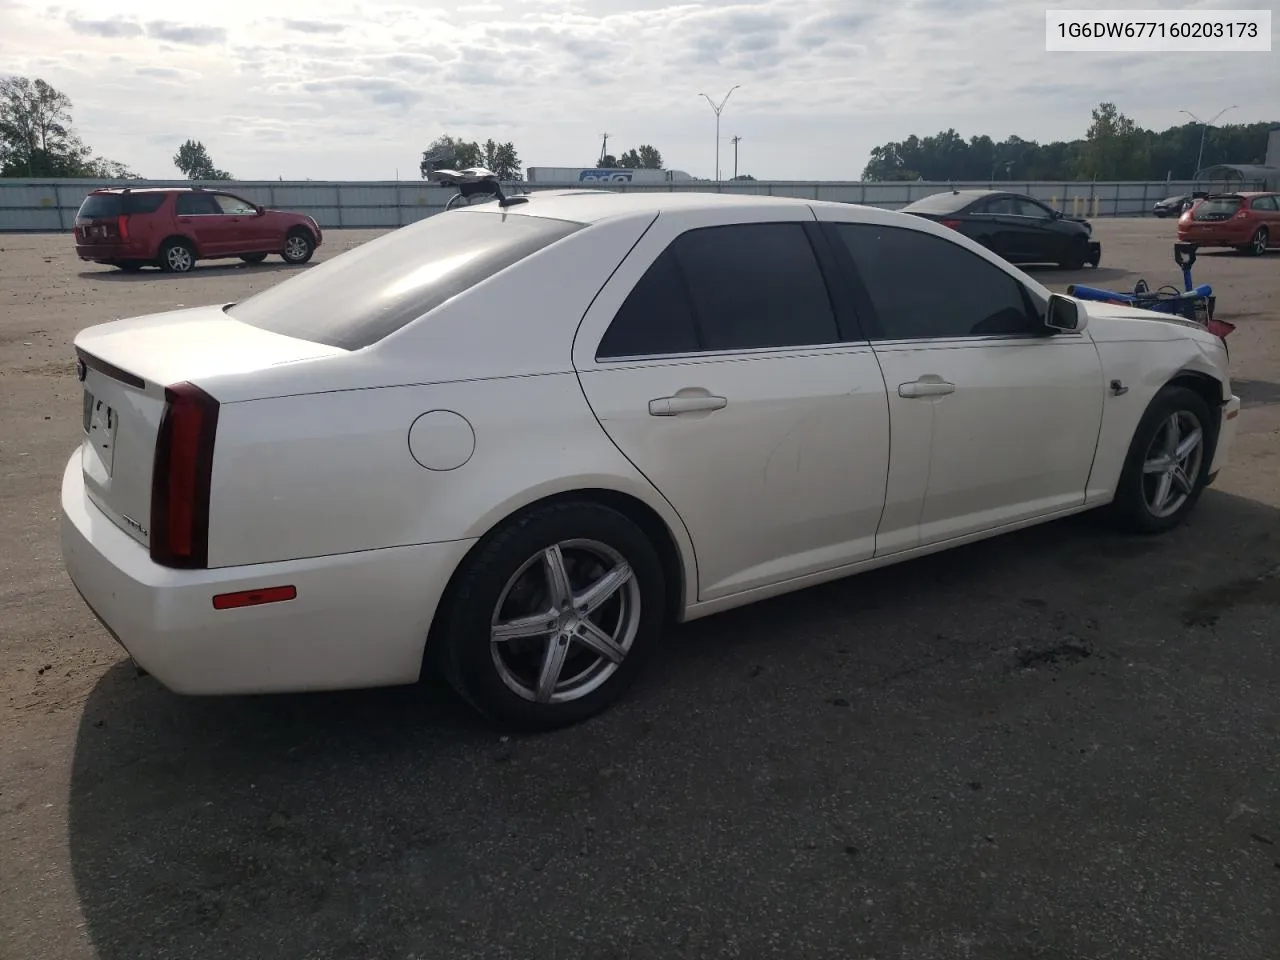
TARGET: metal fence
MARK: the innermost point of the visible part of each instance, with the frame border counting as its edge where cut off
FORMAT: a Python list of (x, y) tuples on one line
[(50, 205)]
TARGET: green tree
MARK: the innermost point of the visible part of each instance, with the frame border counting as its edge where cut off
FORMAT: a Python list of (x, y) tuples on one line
[(36, 138), (1115, 148), (644, 157), (450, 153), (502, 159), (193, 160)]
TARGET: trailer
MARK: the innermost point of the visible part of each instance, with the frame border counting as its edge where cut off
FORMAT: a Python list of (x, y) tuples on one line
[(596, 176)]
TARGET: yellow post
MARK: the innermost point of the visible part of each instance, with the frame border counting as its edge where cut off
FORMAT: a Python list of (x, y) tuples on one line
[(1096, 198), (1053, 202)]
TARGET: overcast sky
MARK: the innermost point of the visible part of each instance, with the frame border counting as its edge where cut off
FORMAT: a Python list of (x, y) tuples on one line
[(336, 89)]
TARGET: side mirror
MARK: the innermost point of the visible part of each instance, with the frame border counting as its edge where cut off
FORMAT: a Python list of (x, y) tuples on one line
[(1065, 315), (1058, 214), (261, 210)]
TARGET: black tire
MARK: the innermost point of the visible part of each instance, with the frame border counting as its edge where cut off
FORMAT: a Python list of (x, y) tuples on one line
[(172, 259), (1258, 243), (462, 634), (253, 257), (299, 246), (1131, 508)]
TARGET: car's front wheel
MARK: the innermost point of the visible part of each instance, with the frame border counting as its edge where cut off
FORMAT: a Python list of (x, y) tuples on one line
[(298, 247), (552, 616), (1168, 463)]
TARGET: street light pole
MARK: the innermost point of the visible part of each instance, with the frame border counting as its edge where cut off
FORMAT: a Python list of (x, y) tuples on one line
[(1204, 129), (735, 141), (717, 109)]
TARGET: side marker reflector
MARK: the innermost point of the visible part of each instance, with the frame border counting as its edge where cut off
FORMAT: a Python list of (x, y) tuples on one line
[(253, 598)]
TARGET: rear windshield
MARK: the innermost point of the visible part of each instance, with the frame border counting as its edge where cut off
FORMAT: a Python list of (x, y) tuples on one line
[(363, 295), (940, 203), (1217, 207), (106, 205), (101, 205)]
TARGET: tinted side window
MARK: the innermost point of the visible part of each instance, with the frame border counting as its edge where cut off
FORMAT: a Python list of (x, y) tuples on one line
[(655, 319), (740, 287), (964, 295), (145, 202), (756, 285), (194, 204)]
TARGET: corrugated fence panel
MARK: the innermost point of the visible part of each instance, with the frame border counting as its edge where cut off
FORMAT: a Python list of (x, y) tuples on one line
[(27, 205)]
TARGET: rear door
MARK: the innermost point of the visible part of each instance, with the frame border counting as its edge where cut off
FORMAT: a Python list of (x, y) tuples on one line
[(718, 363), (97, 220), (201, 218)]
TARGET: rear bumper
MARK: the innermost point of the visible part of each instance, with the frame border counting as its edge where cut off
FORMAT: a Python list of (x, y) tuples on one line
[(358, 620), (1226, 434), (112, 252), (1218, 236)]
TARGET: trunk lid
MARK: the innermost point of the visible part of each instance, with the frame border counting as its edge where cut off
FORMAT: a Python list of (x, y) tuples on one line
[(101, 217), (124, 368)]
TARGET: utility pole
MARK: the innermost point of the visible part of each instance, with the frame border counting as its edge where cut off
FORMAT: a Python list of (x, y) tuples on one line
[(604, 147), (1204, 128), (717, 109), (735, 140)]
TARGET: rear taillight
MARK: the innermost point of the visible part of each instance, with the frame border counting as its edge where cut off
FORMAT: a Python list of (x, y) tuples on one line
[(1241, 215), (953, 224), (180, 483), (122, 226)]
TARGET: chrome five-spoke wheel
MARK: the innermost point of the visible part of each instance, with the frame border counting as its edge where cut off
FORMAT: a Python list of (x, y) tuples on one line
[(1172, 463), (565, 621), (551, 616)]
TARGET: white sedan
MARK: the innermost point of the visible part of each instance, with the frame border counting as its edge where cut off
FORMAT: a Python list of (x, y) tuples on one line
[(516, 439)]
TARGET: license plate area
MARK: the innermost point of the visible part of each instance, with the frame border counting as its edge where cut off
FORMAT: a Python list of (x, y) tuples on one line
[(100, 423)]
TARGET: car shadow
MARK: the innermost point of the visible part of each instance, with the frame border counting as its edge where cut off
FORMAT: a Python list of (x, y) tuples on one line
[(201, 269), (1093, 277), (776, 747), (1256, 393)]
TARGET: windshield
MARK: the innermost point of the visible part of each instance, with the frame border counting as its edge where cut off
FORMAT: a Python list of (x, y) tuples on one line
[(101, 205), (363, 295), (1217, 208)]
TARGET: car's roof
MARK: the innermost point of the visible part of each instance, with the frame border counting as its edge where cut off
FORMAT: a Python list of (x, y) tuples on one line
[(150, 189), (588, 206)]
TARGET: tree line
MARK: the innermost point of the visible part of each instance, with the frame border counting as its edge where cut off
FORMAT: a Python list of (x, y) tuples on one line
[(1114, 148)]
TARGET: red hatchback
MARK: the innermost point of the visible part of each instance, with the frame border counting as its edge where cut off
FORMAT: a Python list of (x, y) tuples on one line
[(173, 227), (1248, 221)]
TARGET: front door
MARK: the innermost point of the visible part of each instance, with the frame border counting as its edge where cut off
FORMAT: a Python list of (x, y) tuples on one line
[(716, 362), (993, 422)]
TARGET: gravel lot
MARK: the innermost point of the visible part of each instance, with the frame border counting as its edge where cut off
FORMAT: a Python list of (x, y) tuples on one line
[(1057, 744)]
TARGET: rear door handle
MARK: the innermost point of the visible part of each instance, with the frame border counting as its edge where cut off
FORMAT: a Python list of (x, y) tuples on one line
[(926, 387), (674, 406)]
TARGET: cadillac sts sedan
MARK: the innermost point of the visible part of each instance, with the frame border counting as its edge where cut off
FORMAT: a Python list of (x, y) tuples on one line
[(513, 441)]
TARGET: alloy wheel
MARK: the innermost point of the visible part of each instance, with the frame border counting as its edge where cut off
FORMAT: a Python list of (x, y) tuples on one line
[(565, 621), (1172, 463), (179, 258), (295, 248)]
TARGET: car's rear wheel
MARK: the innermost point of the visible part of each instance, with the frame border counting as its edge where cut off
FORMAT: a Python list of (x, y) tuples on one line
[(1258, 245), (298, 247), (253, 257), (1167, 467), (553, 615), (177, 256)]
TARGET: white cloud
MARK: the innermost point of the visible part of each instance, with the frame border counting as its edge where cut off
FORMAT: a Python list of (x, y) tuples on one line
[(356, 90)]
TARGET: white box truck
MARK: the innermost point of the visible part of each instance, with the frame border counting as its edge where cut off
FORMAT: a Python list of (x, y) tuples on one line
[(603, 176)]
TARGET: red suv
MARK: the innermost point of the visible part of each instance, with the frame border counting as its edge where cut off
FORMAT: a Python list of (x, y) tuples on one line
[(173, 227), (1247, 220)]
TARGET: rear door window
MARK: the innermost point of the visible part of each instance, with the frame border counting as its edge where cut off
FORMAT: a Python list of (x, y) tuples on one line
[(363, 295), (197, 205), (737, 287)]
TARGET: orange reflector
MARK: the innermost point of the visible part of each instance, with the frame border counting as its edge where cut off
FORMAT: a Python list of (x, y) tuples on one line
[(251, 598), (1231, 415)]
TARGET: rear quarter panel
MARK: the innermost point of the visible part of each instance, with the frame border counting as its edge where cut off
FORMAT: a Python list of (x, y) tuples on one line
[(309, 476)]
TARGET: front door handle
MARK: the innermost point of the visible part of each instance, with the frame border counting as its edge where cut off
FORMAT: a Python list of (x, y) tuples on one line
[(929, 386), (674, 406)]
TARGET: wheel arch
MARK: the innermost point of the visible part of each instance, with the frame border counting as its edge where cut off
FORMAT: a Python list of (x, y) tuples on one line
[(678, 577), (180, 238)]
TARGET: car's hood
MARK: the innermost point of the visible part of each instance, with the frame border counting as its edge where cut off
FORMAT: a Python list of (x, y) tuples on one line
[(1113, 321)]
